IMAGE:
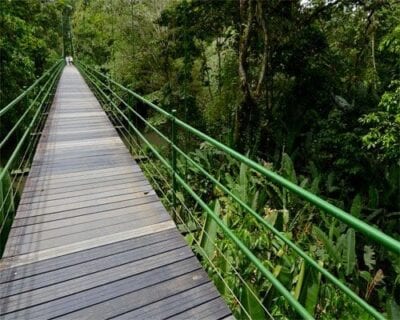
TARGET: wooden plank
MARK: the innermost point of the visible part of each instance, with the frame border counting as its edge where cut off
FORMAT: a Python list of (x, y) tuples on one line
[(82, 175), (100, 293), (90, 200), (187, 283), (75, 136), (18, 246), (11, 261), (83, 169), (74, 132), (80, 143), (214, 309), (80, 155), (172, 304), (73, 259), (106, 218), (105, 162), (69, 287), (58, 190), (112, 154), (96, 189), (120, 202), (42, 280), (44, 239), (88, 114)]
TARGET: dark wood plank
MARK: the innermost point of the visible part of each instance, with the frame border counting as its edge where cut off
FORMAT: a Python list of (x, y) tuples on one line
[(85, 222), (83, 201), (56, 189), (214, 309), (70, 194), (76, 294), (76, 258), (120, 203), (172, 304), (42, 280), (83, 231), (140, 299)]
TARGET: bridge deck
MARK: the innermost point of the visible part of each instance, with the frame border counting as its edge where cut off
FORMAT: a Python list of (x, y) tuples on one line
[(91, 239)]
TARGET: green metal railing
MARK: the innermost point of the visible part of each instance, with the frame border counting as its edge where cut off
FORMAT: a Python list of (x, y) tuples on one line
[(102, 85), (34, 102)]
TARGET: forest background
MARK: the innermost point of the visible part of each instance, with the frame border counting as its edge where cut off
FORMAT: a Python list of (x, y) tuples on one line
[(310, 89)]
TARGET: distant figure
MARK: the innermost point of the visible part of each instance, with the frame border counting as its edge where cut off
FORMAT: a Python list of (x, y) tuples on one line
[(69, 60)]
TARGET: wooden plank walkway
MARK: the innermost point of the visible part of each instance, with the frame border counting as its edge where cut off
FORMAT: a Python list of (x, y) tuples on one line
[(91, 239)]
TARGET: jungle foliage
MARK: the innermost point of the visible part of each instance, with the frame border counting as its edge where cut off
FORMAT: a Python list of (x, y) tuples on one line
[(310, 89)]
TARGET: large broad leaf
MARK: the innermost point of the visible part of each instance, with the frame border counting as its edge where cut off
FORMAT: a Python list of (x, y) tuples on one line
[(329, 246), (350, 250), (251, 302), (288, 168), (356, 206), (220, 282), (310, 288), (209, 233), (300, 280)]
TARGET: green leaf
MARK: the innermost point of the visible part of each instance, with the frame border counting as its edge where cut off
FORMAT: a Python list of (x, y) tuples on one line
[(243, 175), (288, 168), (330, 248), (300, 280), (220, 284), (366, 276), (369, 257), (330, 183), (356, 206), (209, 233), (251, 302), (373, 197), (310, 288), (393, 310), (350, 251), (243, 183), (254, 203)]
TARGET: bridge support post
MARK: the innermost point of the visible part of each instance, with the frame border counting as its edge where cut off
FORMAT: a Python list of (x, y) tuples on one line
[(173, 160)]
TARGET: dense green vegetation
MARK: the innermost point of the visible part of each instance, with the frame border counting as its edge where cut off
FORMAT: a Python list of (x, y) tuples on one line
[(33, 35), (310, 89), (31, 40)]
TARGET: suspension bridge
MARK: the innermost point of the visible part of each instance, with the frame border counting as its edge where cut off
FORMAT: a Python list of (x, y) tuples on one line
[(88, 237)]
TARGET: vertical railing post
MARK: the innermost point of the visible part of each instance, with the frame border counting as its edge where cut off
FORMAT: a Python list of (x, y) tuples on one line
[(108, 93), (173, 156), (132, 134)]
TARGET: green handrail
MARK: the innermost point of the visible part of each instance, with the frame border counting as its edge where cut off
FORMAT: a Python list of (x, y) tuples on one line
[(53, 73), (259, 218), (30, 107), (359, 225), (275, 282), (91, 75)]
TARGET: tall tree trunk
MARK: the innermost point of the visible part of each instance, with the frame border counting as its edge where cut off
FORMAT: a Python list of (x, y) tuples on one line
[(247, 13)]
